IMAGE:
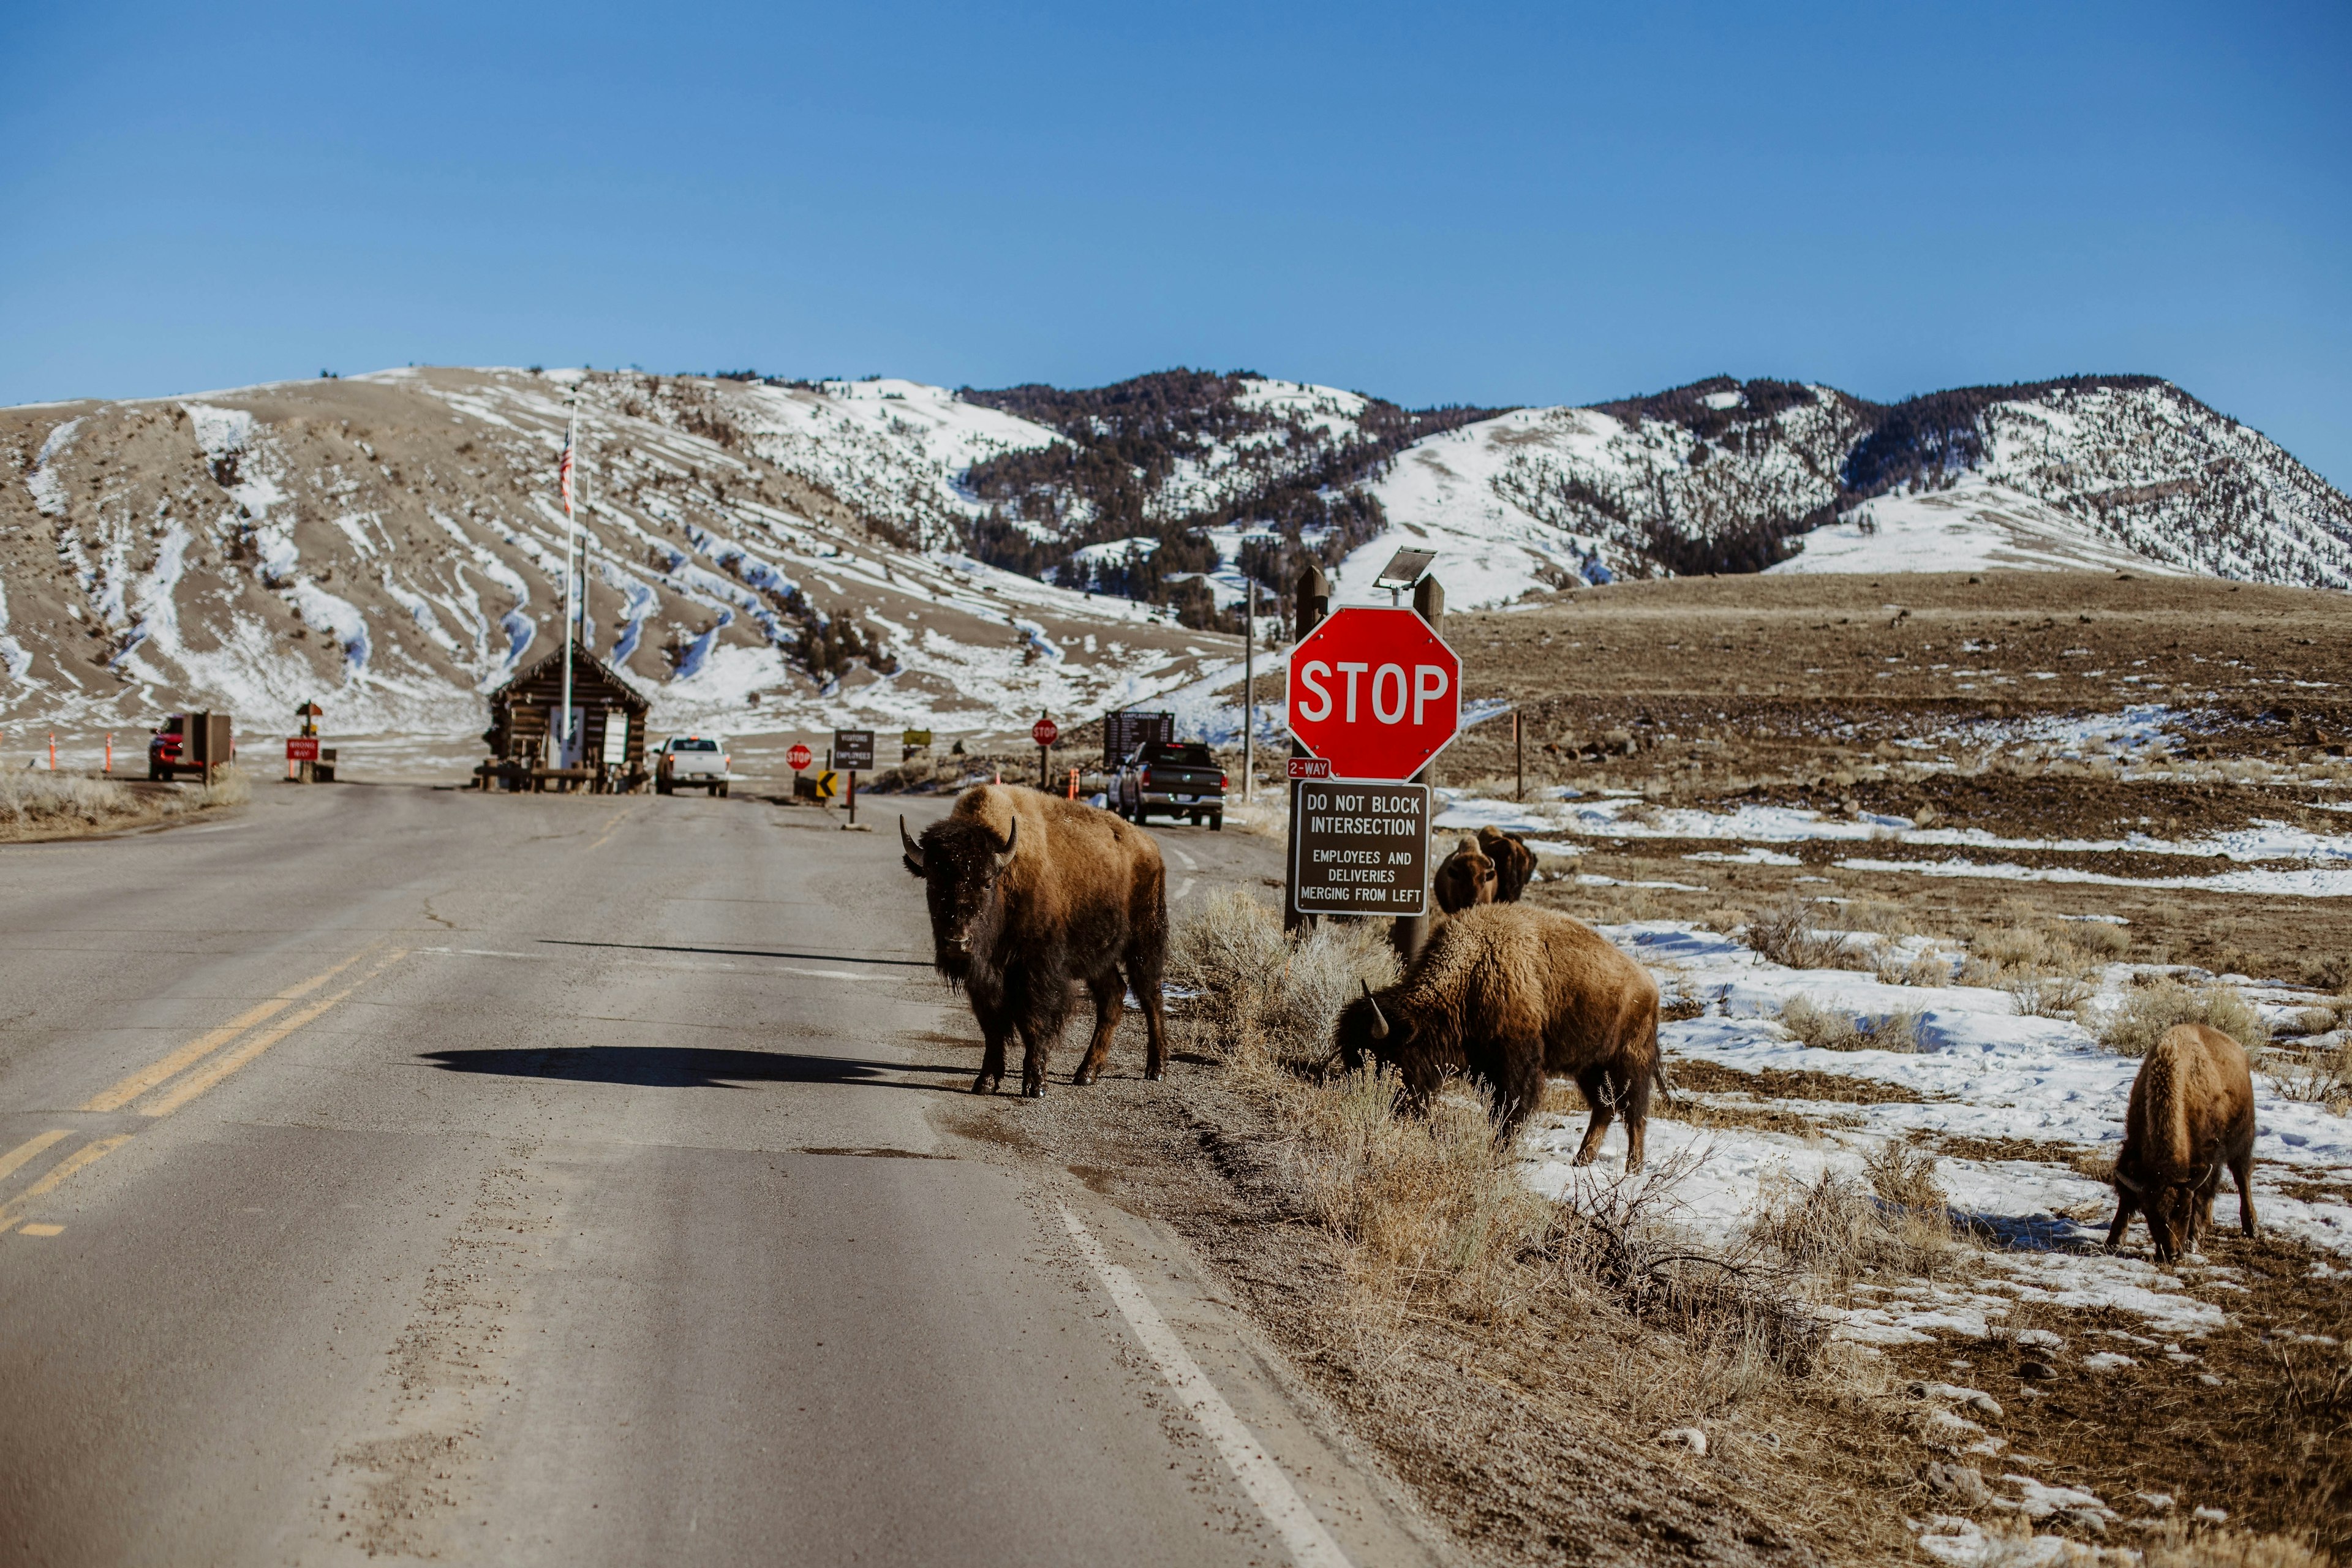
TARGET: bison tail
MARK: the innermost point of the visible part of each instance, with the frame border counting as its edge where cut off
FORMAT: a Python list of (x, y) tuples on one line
[(1658, 1072)]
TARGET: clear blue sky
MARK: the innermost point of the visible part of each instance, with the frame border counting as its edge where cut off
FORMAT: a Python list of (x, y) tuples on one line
[(1489, 203)]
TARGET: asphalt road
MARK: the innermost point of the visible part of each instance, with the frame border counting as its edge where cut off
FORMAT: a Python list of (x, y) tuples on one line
[(392, 1172)]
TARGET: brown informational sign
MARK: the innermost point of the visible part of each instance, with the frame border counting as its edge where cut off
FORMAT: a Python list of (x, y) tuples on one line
[(852, 749), (1132, 726), (1360, 849)]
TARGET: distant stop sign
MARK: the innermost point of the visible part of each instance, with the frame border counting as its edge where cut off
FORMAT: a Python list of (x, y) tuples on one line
[(1045, 732), (1375, 693), (800, 756)]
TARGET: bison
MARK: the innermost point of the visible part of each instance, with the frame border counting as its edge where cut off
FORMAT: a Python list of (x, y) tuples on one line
[(1464, 878), (1507, 994), (2191, 1113), (1514, 863), (1030, 894)]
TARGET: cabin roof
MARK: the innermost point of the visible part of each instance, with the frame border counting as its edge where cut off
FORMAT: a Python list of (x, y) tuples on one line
[(588, 673)]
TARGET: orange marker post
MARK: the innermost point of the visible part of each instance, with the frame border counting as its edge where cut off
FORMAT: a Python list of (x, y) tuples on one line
[(109, 755), (53, 751)]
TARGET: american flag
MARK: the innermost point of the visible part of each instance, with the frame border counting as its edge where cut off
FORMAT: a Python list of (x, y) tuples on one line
[(564, 474)]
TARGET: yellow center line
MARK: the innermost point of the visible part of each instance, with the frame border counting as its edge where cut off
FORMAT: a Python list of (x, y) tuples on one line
[(203, 1044), (195, 1083), (618, 818), (16, 1157), (63, 1171)]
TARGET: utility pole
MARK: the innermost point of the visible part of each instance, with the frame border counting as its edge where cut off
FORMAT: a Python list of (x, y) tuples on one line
[(1410, 932), (1519, 759), (1249, 683), (1312, 601)]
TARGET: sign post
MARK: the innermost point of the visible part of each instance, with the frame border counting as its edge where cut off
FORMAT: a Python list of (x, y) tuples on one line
[(1374, 695), (852, 749), (1310, 603), (1045, 732)]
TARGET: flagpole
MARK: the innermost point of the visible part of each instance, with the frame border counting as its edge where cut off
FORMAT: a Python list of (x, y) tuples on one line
[(571, 537)]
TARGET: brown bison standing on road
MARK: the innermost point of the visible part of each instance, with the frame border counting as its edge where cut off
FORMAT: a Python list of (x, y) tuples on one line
[(1029, 893), (1507, 994), (2191, 1113)]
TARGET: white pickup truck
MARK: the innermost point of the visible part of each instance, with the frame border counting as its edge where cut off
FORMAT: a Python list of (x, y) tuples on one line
[(689, 759)]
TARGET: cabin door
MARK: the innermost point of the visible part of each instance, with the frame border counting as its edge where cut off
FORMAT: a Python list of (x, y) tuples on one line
[(564, 749)]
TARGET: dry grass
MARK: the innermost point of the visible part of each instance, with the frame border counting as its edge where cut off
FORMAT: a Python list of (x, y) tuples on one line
[(1834, 1029), (35, 804), (2135, 1026), (2219, 1549), (1432, 1210)]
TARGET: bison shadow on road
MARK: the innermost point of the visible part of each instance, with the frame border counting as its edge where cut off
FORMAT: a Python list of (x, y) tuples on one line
[(687, 1067)]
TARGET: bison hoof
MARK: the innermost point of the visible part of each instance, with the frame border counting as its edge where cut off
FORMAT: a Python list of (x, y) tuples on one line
[(1035, 1090), (1586, 1158), (1155, 1073), (1082, 1076), (984, 1084)]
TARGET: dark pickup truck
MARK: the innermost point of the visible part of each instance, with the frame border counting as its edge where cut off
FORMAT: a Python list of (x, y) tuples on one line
[(1175, 779)]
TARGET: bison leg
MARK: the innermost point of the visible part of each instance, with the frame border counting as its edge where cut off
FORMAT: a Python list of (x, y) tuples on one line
[(2241, 1171), (1635, 1102), (1036, 1045), (1518, 1090), (1601, 1095), (1146, 958), (2125, 1204), (1110, 999), (992, 1059)]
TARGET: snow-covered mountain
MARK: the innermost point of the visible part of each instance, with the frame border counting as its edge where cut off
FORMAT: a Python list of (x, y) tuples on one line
[(757, 556), (774, 554), (1726, 475)]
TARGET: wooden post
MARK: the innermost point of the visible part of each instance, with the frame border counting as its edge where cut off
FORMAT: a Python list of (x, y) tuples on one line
[(1519, 759), (1410, 932), (1312, 601)]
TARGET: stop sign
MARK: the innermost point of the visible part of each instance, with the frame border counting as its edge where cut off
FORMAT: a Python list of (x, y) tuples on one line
[(800, 756), (1375, 693), (1045, 732)]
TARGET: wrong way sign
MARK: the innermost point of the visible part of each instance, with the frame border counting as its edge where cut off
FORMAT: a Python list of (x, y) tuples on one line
[(1376, 693)]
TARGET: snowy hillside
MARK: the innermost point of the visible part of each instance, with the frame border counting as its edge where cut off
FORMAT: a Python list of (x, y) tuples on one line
[(392, 545), (1722, 476), (775, 554)]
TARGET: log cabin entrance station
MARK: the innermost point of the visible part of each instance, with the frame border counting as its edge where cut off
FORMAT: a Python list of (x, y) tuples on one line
[(606, 754)]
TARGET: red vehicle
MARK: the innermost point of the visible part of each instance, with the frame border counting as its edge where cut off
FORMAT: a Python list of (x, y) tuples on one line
[(167, 750)]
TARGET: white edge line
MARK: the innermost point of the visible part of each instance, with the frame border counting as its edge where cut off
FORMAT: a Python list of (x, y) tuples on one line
[(1190, 864), (1184, 886), (1303, 1535)]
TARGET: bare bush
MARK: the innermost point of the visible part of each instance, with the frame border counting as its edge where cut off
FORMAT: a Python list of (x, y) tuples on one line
[(1614, 1238), (1904, 1175), (2044, 993), (2096, 941), (2224, 1549), (2135, 1026), (1839, 1226), (1892, 966), (2317, 1077), (1254, 989), (1786, 934), (1835, 1030)]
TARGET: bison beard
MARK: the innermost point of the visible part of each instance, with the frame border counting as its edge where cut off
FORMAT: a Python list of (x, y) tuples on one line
[(1030, 894), (1505, 995), (2191, 1113)]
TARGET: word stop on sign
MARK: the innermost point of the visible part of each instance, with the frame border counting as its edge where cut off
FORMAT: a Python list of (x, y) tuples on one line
[(1374, 692)]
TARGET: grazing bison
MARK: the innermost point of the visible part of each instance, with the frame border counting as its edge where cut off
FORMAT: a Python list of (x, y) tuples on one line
[(1507, 994), (1030, 893), (2191, 1113), (1464, 878), (1514, 863)]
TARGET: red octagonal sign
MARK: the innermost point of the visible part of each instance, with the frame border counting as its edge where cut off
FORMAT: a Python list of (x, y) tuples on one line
[(1375, 693)]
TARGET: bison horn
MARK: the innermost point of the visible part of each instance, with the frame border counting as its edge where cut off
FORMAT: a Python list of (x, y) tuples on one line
[(2126, 1182), (1004, 855), (1379, 1024), (914, 850)]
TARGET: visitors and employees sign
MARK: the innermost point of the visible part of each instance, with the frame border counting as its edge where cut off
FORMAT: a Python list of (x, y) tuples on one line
[(852, 749), (1360, 849)]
